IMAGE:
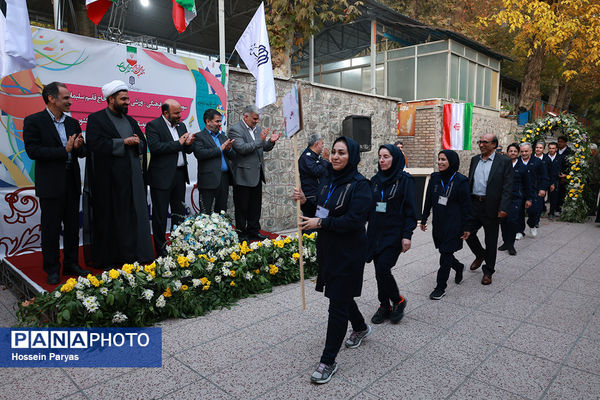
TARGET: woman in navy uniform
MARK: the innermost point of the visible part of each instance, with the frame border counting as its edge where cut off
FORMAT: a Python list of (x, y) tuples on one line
[(391, 223), (341, 210), (522, 195), (448, 194)]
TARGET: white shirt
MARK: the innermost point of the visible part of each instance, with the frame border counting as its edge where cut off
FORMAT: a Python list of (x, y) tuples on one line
[(251, 130), (552, 157), (175, 135), (562, 151)]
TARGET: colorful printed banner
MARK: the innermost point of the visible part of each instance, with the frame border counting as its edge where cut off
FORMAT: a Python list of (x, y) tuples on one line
[(84, 65)]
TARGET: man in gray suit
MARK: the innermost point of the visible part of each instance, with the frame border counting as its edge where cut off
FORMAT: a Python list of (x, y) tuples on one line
[(214, 154), (250, 141), (168, 141), (491, 179)]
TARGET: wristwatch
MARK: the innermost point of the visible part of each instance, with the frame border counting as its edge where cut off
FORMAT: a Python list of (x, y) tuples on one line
[(319, 223)]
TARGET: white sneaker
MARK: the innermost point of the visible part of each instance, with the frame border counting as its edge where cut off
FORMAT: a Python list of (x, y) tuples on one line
[(533, 232), (519, 236)]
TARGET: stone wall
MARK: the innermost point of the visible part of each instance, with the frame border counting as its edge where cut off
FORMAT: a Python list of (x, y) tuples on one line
[(324, 110)]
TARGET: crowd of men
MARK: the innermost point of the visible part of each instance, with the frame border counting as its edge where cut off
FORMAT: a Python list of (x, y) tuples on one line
[(115, 210)]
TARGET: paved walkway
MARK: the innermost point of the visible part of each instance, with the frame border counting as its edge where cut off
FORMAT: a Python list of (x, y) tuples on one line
[(534, 333)]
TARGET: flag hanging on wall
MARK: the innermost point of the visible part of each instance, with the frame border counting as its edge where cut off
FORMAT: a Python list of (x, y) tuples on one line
[(184, 11), (16, 45), (458, 121), (255, 50), (97, 8)]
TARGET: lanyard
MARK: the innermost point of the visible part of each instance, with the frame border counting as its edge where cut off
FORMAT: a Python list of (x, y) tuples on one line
[(443, 186), (381, 194), (331, 190)]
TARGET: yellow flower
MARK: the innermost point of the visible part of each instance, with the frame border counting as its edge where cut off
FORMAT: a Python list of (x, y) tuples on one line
[(232, 273), (529, 131), (232, 283), (259, 244), (167, 292), (204, 280), (296, 256), (312, 235), (184, 288), (570, 194), (575, 196), (93, 280), (150, 268), (583, 157), (234, 256), (205, 287), (183, 261), (69, 285), (257, 271), (576, 144), (203, 256), (113, 273), (287, 240), (127, 268), (568, 176), (212, 259), (528, 136), (273, 269)]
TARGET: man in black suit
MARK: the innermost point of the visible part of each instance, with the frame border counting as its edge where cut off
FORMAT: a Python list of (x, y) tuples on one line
[(313, 167), (214, 154), (564, 151), (556, 164), (53, 140), (491, 179), (168, 141), (250, 144)]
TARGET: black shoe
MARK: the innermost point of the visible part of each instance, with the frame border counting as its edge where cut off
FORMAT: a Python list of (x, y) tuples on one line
[(503, 247), (398, 311), (257, 236), (53, 279), (75, 269), (459, 273), (381, 314), (512, 251), (437, 294)]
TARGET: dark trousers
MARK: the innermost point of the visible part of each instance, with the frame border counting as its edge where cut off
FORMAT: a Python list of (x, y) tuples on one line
[(56, 211), (512, 224), (387, 289), (562, 192), (447, 262), (161, 200), (553, 200), (340, 312), (247, 201), (490, 229), (534, 212), (215, 200)]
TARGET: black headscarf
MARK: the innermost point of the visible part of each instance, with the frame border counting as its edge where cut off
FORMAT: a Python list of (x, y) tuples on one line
[(395, 169), (351, 169), (454, 164)]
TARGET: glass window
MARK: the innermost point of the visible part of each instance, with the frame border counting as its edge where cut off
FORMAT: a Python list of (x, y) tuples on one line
[(359, 61), (470, 53), (494, 100), (332, 79), (403, 52), (431, 76), (380, 77), (464, 79), (495, 64), (480, 85), (454, 76), (336, 65), (432, 47), (401, 79), (351, 79), (380, 58), (457, 48), (483, 59), (472, 82), (488, 87)]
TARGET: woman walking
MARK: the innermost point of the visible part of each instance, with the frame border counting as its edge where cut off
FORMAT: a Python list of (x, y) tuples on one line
[(448, 195), (341, 210), (392, 221)]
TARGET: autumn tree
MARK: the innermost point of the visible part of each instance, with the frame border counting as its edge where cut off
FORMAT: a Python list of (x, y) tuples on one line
[(566, 29)]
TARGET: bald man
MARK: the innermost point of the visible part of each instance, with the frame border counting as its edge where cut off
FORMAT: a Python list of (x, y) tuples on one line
[(169, 142)]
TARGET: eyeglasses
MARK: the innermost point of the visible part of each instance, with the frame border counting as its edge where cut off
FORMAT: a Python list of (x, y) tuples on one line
[(483, 142)]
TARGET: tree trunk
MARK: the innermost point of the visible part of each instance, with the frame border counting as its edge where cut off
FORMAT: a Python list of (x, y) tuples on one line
[(282, 63), (84, 25), (530, 85), (564, 98), (554, 93)]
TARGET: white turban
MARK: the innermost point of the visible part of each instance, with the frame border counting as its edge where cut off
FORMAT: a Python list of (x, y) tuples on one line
[(113, 87)]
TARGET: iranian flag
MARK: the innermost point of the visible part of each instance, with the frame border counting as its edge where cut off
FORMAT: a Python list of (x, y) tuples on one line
[(458, 120), (184, 12), (97, 8)]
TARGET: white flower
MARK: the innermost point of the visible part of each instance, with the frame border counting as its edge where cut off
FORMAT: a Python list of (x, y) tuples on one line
[(147, 294), (57, 294), (187, 272), (218, 278), (161, 302), (149, 277), (225, 271), (210, 267), (227, 264), (196, 282), (79, 294), (90, 303), (248, 276), (119, 317), (104, 291), (84, 281), (167, 274), (254, 245), (177, 284), (79, 285)]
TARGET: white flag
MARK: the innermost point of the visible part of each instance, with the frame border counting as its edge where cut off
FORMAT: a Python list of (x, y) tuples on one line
[(255, 50), (16, 45)]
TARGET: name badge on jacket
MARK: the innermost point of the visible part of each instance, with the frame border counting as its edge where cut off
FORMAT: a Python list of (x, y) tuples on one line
[(442, 200), (322, 212), (381, 206)]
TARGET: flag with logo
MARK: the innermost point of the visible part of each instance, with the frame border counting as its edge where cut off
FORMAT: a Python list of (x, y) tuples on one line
[(97, 8), (16, 45), (184, 11), (255, 50), (457, 124)]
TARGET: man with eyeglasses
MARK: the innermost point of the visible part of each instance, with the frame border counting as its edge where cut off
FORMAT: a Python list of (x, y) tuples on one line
[(491, 180)]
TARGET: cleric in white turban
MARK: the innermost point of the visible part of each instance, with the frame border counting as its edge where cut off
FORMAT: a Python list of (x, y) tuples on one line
[(116, 215), (113, 87)]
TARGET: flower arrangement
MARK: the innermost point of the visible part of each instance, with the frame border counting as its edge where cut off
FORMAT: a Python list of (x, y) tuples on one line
[(574, 208), (206, 268)]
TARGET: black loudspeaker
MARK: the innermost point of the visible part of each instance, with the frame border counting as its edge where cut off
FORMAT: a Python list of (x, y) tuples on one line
[(358, 127)]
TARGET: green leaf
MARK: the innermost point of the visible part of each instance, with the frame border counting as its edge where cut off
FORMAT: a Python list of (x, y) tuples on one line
[(66, 315)]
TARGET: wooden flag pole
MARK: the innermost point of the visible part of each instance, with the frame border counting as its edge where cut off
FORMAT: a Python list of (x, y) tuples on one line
[(298, 213)]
